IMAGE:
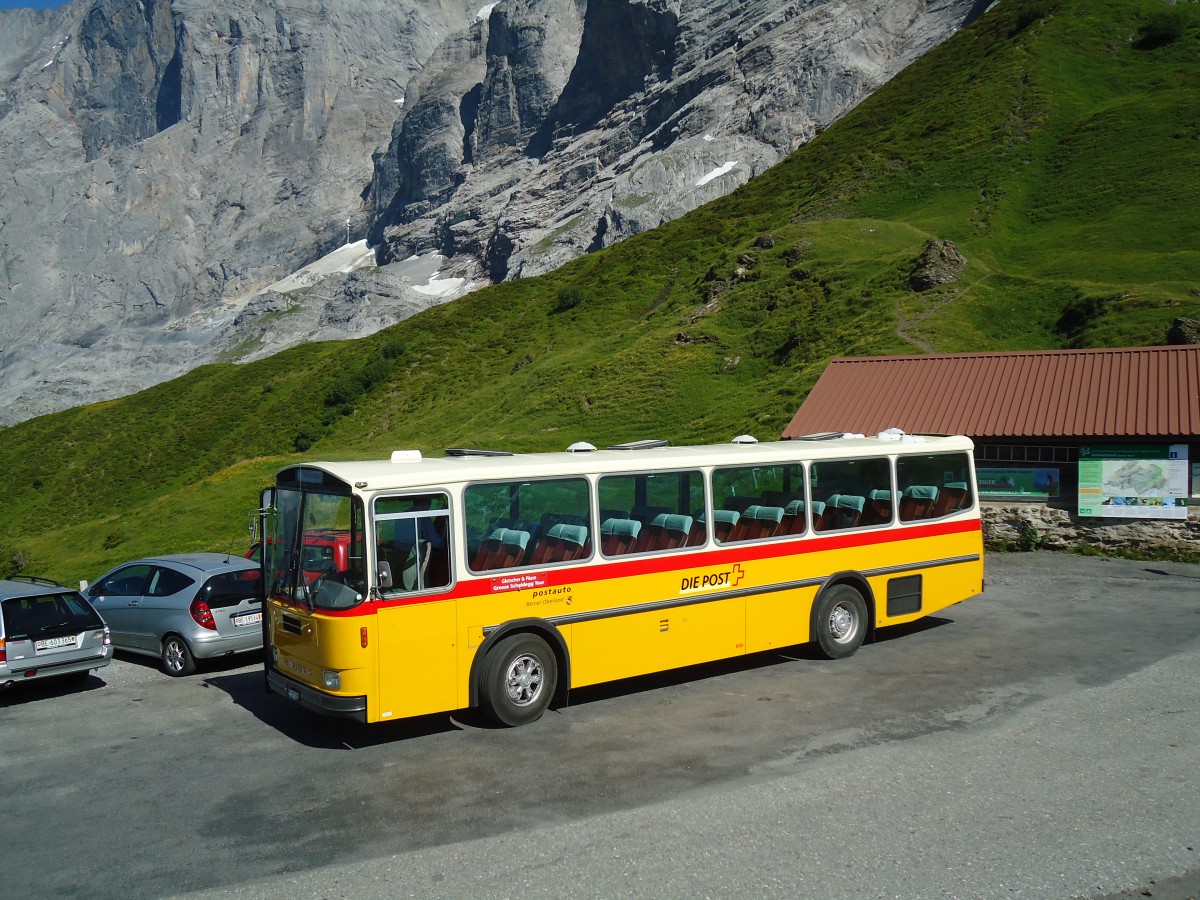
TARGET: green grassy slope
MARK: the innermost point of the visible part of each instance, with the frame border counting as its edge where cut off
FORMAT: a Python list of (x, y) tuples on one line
[(1058, 144)]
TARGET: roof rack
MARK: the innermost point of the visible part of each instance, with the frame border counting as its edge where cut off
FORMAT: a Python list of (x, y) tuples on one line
[(819, 436), (472, 451), (33, 579), (640, 445)]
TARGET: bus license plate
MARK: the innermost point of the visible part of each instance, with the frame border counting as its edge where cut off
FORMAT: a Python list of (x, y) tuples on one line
[(293, 694), (248, 619), (53, 643)]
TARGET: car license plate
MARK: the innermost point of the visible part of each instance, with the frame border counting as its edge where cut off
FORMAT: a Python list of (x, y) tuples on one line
[(248, 619), (53, 643)]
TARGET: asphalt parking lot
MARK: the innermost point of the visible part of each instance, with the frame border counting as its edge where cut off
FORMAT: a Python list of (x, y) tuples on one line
[(1036, 741)]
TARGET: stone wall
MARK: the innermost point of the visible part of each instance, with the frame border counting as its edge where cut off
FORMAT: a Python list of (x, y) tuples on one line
[(1035, 526)]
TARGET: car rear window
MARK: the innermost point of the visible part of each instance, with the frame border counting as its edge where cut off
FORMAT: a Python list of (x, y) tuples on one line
[(231, 588), (48, 615)]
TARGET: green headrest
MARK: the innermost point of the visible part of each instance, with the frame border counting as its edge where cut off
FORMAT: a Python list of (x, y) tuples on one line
[(511, 537), (678, 522), (766, 513), (921, 492), (621, 527), (571, 534)]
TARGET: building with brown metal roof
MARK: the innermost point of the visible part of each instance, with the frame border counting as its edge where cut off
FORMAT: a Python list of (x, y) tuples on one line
[(1028, 412)]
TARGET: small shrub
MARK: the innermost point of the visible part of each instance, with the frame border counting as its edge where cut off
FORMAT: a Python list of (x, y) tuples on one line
[(1030, 13), (306, 437), (568, 298), (1162, 27), (1028, 538)]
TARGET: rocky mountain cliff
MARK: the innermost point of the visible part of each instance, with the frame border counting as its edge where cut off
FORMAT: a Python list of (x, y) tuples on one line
[(165, 162)]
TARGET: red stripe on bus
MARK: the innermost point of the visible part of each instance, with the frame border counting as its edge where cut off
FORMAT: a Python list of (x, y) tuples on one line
[(675, 562)]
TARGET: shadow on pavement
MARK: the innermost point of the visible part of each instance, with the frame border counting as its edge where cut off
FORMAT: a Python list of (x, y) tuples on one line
[(18, 693), (248, 690)]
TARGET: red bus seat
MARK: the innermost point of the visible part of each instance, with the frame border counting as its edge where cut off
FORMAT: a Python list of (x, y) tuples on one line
[(504, 548), (563, 542), (916, 501), (951, 498), (846, 512), (879, 508), (619, 536)]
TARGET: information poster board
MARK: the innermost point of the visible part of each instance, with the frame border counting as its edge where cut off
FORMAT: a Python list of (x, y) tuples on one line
[(1018, 483), (1133, 481)]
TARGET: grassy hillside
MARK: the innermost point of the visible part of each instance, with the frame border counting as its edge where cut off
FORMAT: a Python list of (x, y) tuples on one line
[(1057, 144)]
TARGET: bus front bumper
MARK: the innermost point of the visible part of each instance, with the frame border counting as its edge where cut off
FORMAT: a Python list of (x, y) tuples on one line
[(318, 701)]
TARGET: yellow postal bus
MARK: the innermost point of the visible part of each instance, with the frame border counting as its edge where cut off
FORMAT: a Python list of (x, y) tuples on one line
[(503, 580)]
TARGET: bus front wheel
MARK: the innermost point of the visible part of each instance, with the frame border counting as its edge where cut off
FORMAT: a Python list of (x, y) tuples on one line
[(519, 679), (840, 621)]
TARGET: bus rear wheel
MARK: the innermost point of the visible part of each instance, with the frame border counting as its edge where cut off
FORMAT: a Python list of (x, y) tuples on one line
[(519, 679), (840, 621)]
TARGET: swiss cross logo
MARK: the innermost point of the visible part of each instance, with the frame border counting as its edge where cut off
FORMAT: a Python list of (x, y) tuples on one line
[(738, 574)]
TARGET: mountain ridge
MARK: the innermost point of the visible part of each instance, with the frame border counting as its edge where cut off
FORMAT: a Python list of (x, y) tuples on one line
[(168, 160)]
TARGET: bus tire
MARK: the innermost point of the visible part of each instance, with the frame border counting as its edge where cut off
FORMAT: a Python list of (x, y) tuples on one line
[(520, 676), (840, 621)]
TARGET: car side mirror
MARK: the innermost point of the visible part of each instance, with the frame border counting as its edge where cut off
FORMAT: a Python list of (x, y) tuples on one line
[(385, 575)]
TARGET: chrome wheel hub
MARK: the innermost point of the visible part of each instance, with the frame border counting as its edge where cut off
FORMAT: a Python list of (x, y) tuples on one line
[(842, 623), (524, 680)]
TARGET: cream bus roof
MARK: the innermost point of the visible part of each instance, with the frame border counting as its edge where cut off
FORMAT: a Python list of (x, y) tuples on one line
[(408, 469)]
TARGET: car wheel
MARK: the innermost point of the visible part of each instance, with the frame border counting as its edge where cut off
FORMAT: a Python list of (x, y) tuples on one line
[(177, 656), (519, 678), (840, 621)]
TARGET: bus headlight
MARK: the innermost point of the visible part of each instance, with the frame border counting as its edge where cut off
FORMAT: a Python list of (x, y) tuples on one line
[(274, 654), (333, 680)]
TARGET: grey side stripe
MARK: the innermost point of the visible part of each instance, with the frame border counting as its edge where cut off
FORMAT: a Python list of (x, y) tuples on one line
[(716, 597)]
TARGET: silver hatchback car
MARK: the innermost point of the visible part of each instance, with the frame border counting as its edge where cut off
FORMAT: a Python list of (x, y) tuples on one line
[(182, 607), (48, 631)]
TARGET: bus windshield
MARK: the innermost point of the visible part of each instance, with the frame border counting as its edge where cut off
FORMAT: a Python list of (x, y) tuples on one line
[(314, 549)]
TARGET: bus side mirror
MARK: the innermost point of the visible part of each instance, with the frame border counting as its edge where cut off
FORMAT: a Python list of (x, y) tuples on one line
[(385, 575)]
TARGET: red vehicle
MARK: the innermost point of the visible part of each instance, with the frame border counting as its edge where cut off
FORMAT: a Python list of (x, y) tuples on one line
[(325, 552)]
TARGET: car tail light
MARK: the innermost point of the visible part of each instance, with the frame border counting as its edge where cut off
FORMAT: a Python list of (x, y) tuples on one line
[(3, 653), (202, 614), (107, 637)]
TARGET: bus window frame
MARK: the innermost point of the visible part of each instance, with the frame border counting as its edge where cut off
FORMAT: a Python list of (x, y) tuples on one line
[(972, 486), (395, 592), (711, 499), (592, 511), (705, 497), (889, 460)]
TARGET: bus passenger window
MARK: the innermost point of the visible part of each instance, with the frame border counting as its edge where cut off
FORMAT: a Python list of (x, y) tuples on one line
[(650, 511), (758, 502), (851, 493), (527, 523), (412, 543), (933, 485)]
